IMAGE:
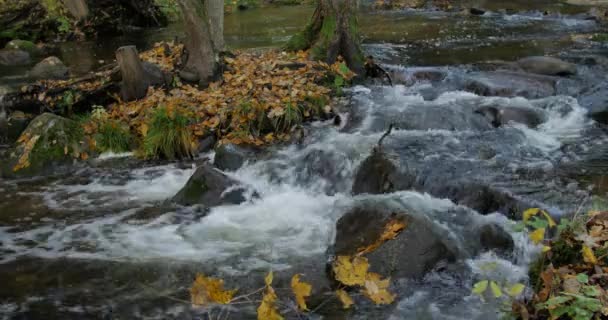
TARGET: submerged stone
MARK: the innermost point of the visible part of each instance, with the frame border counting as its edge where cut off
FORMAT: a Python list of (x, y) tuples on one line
[(210, 187), (546, 66), (231, 157), (11, 57)]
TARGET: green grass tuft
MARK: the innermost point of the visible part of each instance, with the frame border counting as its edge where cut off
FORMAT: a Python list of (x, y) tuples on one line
[(168, 135), (113, 136)]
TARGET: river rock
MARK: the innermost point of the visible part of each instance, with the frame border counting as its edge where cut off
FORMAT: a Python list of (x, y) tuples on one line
[(493, 237), (413, 253), (377, 175), (231, 157), (10, 57), (23, 45), (52, 140), (595, 100), (500, 116), (509, 84), (546, 66), (210, 187), (50, 68)]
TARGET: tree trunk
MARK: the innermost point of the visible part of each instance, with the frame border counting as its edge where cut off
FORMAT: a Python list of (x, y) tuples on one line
[(215, 10), (77, 8), (332, 32), (202, 59)]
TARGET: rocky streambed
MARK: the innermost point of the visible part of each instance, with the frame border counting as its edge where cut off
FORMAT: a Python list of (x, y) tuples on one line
[(472, 145)]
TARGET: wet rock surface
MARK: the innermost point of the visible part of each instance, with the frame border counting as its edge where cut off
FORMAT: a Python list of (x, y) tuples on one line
[(50, 68), (12, 57), (415, 251), (210, 187)]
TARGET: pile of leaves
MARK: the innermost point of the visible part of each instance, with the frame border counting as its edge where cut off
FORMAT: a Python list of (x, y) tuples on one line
[(259, 99), (570, 280)]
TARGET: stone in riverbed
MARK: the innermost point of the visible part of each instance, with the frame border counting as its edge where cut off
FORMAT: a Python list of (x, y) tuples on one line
[(546, 66), (413, 253), (231, 157), (510, 84), (54, 140), (11, 58), (210, 187), (50, 68), (493, 237), (595, 100)]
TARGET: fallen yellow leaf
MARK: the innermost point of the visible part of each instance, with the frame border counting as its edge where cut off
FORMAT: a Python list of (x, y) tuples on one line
[(376, 289), (267, 309), (206, 290), (351, 271), (588, 255), (346, 300), (301, 290)]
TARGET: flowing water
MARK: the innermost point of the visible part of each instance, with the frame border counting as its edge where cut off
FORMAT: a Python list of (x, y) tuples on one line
[(103, 242)]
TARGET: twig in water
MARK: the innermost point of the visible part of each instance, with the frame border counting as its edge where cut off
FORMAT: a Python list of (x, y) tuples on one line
[(386, 134)]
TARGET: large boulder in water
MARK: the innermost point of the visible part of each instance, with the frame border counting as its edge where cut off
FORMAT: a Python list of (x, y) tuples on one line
[(509, 84), (210, 187), (50, 68), (595, 100), (546, 66), (415, 251), (11, 57), (47, 141)]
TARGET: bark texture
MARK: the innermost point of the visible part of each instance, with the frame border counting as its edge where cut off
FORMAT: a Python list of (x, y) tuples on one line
[(137, 77), (202, 57), (215, 9), (332, 32)]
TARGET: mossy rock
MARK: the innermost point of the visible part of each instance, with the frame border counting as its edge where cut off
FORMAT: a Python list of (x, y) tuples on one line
[(23, 45), (48, 140)]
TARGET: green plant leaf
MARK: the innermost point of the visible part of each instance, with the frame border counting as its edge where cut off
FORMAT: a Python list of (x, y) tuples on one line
[(516, 289), (496, 291), (582, 278), (480, 287)]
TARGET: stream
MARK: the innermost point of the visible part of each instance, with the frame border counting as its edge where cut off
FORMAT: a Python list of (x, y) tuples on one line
[(101, 241)]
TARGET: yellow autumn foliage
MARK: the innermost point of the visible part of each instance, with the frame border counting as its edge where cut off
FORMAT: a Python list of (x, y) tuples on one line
[(345, 298), (351, 271), (391, 230), (301, 290), (267, 309), (207, 290), (376, 289)]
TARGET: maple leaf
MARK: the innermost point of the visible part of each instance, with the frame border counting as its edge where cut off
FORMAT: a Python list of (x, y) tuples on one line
[(376, 289), (24, 159), (301, 290), (206, 290), (345, 298), (351, 271)]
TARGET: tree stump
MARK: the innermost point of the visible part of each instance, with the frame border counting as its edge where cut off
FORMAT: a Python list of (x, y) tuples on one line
[(137, 77)]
